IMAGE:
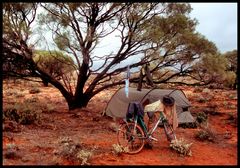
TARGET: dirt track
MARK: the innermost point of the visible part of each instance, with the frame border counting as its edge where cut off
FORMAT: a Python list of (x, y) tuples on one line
[(39, 144)]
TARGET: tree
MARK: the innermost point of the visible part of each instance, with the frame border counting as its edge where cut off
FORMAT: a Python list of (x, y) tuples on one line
[(57, 65), (16, 31), (211, 68), (232, 65), (215, 69), (159, 34)]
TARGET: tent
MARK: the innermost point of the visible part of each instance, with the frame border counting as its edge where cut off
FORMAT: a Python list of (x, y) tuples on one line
[(118, 104)]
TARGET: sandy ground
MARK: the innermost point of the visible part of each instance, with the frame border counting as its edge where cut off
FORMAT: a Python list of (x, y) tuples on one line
[(41, 144)]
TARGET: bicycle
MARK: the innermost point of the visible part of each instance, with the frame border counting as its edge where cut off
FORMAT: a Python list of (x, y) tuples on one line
[(132, 135)]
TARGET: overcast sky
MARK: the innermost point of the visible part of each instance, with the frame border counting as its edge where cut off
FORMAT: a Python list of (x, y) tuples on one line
[(218, 23)]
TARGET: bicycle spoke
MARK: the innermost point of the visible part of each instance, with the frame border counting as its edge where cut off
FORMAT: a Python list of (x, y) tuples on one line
[(131, 139)]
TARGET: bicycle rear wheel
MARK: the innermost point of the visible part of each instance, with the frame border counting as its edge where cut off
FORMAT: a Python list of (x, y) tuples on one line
[(131, 138), (169, 131)]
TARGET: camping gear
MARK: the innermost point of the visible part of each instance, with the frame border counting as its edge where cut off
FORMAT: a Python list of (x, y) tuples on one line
[(126, 87), (168, 108), (154, 107), (168, 100), (127, 81), (171, 115), (145, 71), (134, 108), (118, 105)]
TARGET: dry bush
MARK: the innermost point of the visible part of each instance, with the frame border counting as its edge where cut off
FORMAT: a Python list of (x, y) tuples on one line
[(228, 135), (11, 151), (201, 117), (73, 151), (67, 148), (181, 146), (201, 99), (198, 89), (232, 119), (188, 125), (34, 90), (23, 113), (11, 126), (118, 149), (19, 95), (232, 97), (10, 93), (32, 84), (84, 156), (206, 134), (113, 126)]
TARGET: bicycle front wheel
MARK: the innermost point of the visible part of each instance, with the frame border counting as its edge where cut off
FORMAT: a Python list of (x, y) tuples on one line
[(169, 131), (131, 136)]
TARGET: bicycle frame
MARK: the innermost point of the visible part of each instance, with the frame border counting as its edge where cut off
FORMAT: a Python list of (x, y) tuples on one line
[(133, 134), (148, 134), (161, 119), (137, 120)]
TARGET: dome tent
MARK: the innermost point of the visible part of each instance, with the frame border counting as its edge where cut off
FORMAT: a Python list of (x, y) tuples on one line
[(118, 105)]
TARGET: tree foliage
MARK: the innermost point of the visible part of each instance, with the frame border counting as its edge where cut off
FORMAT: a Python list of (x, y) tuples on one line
[(159, 34), (55, 63), (211, 68), (17, 20), (232, 60), (219, 69), (58, 65), (232, 68)]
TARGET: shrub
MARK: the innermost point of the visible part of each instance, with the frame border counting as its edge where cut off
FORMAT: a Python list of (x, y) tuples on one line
[(118, 149), (18, 81), (33, 84), (181, 146), (188, 125), (73, 151), (225, 103), (230, 79), (27, 116), (232, 97), (202, 100), (34, 90), (48, 108), (228, 135), (206, 134), (20, 95), (11, 93), (34, 101), (232, 106), (67, 148), (201, 117), (206, 90), (232, 119), (23, 113), (11, 126), (11, 151), (31, 100), (10, 113), (197, 89), (231, 116), (84, 156)]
